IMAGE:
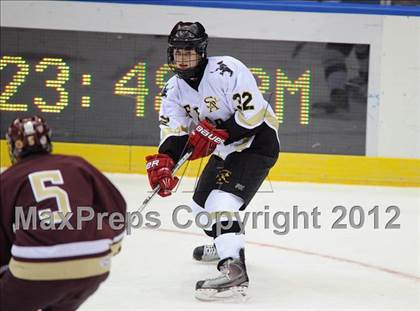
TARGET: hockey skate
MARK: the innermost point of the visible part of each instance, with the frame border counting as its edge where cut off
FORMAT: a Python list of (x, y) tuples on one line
[(230, 284), (206, 253)]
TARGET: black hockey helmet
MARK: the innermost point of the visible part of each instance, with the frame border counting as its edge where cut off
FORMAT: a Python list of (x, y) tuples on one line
[(26, 136), (187, 35)]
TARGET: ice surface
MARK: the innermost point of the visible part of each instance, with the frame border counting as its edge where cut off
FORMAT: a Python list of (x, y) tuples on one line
[(305, 269)]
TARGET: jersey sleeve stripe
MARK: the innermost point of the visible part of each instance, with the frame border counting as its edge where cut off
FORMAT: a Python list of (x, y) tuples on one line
[(62, 250), (69, 269)]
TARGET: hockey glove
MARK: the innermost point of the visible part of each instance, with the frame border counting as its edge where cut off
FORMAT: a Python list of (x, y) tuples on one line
[(205, 138), (159, 170)]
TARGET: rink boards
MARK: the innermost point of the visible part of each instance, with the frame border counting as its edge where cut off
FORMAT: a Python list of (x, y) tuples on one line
[(290, 166)]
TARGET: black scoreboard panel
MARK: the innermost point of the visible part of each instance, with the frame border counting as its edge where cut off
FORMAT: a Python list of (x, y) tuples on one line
[(96, 87)]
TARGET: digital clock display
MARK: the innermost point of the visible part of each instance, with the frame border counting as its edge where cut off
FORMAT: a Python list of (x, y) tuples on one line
[(104, 88)]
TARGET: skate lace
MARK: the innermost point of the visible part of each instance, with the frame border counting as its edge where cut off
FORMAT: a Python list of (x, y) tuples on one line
[(210, 251)]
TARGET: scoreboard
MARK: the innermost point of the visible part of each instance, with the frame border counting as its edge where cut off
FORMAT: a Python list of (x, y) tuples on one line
[(97, 87)]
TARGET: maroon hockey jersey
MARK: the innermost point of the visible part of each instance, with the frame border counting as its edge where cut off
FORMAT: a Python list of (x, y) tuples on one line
[(55, 218)]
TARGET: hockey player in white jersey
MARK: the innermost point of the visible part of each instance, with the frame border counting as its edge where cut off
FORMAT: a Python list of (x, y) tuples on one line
[(213, 106)]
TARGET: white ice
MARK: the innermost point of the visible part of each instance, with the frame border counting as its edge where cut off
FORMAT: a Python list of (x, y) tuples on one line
[(305, 269)]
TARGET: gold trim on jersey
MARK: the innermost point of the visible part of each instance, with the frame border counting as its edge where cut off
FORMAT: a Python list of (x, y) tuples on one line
[(262, 115), (246, 142), (116, 248), (61, 270)]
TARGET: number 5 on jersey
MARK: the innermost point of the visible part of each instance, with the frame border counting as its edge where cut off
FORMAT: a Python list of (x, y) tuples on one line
[(43, 192)]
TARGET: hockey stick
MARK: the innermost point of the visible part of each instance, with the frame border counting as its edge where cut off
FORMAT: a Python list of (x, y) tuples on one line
[(156, 190)]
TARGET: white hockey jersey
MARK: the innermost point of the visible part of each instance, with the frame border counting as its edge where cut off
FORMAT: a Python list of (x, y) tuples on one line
[(227, 88)]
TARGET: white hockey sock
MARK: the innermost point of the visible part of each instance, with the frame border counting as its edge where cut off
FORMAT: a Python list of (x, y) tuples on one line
[(229, 244), (220, 201)]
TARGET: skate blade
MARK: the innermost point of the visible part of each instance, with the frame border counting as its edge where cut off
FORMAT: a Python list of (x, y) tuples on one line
[(207, 262), (236, 293)]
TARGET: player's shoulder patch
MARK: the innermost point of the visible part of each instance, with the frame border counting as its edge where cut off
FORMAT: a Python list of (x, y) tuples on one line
[(222, 65)]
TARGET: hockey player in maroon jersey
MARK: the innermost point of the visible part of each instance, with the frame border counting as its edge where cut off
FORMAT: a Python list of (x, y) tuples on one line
[(59, 265), (214, 107)]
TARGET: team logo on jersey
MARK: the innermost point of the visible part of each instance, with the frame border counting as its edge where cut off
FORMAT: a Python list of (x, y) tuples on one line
[(164, 120), (223, 68), (223, 176), (211, 102)]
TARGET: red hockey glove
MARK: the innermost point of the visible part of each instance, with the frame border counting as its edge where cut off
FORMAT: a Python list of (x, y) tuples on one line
[(205, 138), (159, 170)]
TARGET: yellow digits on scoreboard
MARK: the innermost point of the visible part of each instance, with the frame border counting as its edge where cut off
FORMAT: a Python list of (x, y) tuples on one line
[(63, 76), (160, 82), (11, 88), (139, 92), (86, 81), (301, 84), (262, 77)]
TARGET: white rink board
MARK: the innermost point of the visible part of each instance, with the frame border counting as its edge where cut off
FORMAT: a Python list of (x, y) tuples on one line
[(393, 116), (307, 269)]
